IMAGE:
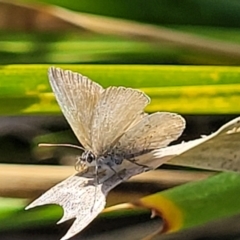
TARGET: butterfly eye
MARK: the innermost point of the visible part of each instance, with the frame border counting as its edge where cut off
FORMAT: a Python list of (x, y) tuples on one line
[(90, 157)]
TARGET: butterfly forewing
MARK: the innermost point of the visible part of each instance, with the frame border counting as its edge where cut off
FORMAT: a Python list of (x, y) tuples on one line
[(118, 108), (77, 97), (152, 132)]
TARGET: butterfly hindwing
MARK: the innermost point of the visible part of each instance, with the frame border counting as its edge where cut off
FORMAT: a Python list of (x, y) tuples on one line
[(152, 132)]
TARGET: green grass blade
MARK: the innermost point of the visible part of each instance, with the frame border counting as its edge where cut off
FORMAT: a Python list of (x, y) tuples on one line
[(193, 204), (24, 89), (13, 216), (197, 203)]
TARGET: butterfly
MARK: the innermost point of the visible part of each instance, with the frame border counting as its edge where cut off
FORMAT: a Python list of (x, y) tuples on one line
[(118, 138)]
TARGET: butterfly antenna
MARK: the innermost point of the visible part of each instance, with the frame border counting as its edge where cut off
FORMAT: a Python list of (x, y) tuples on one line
[(59, 145)]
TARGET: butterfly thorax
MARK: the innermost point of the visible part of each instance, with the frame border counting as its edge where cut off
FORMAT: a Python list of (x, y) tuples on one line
[(110, 161), (106, 161)]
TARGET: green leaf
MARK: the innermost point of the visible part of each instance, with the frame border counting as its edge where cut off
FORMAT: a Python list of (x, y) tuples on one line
[(25, 89), (13, 216), (193, 204), (10, 205), (216, 197)]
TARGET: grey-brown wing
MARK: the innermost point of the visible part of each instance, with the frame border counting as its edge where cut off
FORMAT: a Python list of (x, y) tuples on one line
[(118, 108), (77, 96), (152, 132)]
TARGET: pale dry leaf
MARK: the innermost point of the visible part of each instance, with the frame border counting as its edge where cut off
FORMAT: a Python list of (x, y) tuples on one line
[(81, 198), (219, 151)]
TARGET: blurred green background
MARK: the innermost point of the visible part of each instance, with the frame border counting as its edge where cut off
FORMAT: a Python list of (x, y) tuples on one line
[(183, 54)]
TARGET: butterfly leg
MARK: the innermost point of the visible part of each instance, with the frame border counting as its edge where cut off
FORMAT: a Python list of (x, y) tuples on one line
[(96, 182), (80, 165)]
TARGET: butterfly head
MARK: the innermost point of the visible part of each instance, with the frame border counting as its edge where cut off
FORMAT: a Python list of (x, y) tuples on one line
[(88, 158)]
